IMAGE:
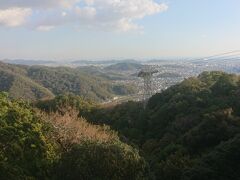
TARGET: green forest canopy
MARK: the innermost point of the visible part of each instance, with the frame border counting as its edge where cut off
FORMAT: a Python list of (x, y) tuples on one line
[(191, 131), (41, 82)]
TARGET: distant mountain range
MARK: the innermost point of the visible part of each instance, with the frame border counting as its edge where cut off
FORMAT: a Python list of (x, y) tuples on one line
[(28, 62), (112, 62), (76, 63), (124, 66), (104, 62)]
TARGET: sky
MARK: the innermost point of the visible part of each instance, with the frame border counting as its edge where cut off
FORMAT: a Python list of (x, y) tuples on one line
[(117, 29)]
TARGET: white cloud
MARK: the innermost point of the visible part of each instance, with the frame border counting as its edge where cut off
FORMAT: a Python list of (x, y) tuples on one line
[(86, 12), (13, 17), (126, 25), (121, 14), (45, 28), (64, 14), (38, 3), (114, 15)]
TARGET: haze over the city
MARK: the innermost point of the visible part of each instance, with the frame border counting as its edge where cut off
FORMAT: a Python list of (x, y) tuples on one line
[(74, 29)]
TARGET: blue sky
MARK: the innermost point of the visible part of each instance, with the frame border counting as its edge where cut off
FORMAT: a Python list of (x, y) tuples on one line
[(106, 29)]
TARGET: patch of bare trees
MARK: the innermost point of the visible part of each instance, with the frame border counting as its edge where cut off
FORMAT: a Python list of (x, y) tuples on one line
[(69, 129)]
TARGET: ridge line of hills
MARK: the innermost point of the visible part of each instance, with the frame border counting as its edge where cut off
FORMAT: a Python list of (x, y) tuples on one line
[(191, 131), (41, 82)]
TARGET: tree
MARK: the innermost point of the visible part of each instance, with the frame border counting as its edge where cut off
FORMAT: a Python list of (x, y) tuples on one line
[(25, 151), (102, 161)]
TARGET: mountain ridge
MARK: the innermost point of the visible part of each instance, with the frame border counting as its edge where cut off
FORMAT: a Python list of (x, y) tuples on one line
[(50, 81)]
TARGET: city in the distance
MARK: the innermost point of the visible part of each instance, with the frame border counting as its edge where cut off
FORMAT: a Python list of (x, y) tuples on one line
[(119, 90)]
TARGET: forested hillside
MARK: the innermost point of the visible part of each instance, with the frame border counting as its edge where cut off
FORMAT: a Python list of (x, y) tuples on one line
[(40, 82), (13, 79), (39, 145), (125, 66), (190, 131)]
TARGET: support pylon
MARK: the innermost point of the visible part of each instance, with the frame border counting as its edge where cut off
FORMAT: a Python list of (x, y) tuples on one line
[(147, 74)]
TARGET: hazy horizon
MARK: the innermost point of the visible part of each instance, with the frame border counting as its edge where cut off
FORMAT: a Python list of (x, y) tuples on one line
[(138, 29)]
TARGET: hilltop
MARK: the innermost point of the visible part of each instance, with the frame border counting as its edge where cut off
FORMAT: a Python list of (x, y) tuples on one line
[(41, 82), (124, 66), (40, 145), (28, 62), (14, 79), (191, 131)]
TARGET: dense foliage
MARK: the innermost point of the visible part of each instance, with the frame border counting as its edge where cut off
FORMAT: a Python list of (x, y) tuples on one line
[(41, 145), (25, 152), (191, 131), (102, 161), (66, 102), (40, 82), (14, 80)]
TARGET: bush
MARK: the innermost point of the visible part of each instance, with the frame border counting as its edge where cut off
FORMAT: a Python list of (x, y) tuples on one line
[(102, 161), (25, 151)]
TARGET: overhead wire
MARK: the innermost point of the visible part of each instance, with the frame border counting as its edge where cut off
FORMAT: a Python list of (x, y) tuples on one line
[(231, 55)]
